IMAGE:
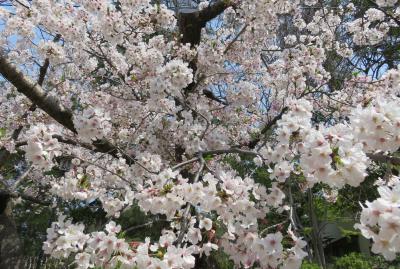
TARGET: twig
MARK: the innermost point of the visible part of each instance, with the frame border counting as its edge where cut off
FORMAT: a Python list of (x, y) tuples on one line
[(273, 226), (267, 127), (103, 168), (61, 139), (185, 163), (231, 150), (20, 178), (185, 215), (144, 225), (235, 39)]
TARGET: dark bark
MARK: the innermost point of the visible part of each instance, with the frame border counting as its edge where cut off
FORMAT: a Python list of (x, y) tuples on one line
[(381, 158), (10, 243), (35, 93), (191, 23), (50, 105)]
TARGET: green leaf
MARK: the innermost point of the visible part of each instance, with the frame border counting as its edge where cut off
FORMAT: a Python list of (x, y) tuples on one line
[(348, 233), (55, 172), (208, 157), (167, 188), (121, 235), (84, 182), (3, 132), (307, 230)]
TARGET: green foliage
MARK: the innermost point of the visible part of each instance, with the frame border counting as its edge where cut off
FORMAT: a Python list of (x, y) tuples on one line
[(353, 261), (167, 188), (32, 220), (91, 214), (307, 230), (349, 233), (84, 182), (307, 265), (208, 157), (55, 172), (8, 166), (359, 261), (347, 203), (221, 260), (2, 132), (246, 166), (378, 262), (140, 225)]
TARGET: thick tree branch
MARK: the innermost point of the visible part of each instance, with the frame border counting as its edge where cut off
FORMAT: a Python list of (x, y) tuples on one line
[(26, 197), (35, 93), (381, 158), (191, 23), (49, 104), (46, 64), (42, 74), (210, 95), (212, 11)]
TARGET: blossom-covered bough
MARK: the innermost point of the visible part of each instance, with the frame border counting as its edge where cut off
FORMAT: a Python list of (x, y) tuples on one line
[(142, 105)]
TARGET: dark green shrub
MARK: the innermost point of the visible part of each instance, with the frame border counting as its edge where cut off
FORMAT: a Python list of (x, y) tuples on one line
[(353, 261), (308, 265)]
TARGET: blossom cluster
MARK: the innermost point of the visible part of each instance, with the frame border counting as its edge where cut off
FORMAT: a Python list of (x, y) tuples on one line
[(335, 155), (377, 125), (380, 219), (87, 182), (42, 147), (92, 124), (106, 249), (367, 30)]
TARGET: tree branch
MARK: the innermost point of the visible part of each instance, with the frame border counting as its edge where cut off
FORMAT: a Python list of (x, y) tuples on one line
[(45, 66), (42, 75), (267, 127), (185, 216), (64, 140), (26, 197), (381, 158), (226, 151), (144, 225), (191, 23), (210, 95), (229, 46), (212, 11), (20, 178), (272, 227), (35, 93), (50, 105)]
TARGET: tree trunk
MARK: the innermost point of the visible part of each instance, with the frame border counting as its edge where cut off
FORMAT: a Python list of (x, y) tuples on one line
[(10, 243)]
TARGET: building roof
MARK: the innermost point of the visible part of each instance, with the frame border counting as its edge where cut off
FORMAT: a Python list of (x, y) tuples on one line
[(183, 4)]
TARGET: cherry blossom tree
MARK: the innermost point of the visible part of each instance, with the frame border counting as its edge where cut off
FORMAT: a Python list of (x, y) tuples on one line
[(143, 105)]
